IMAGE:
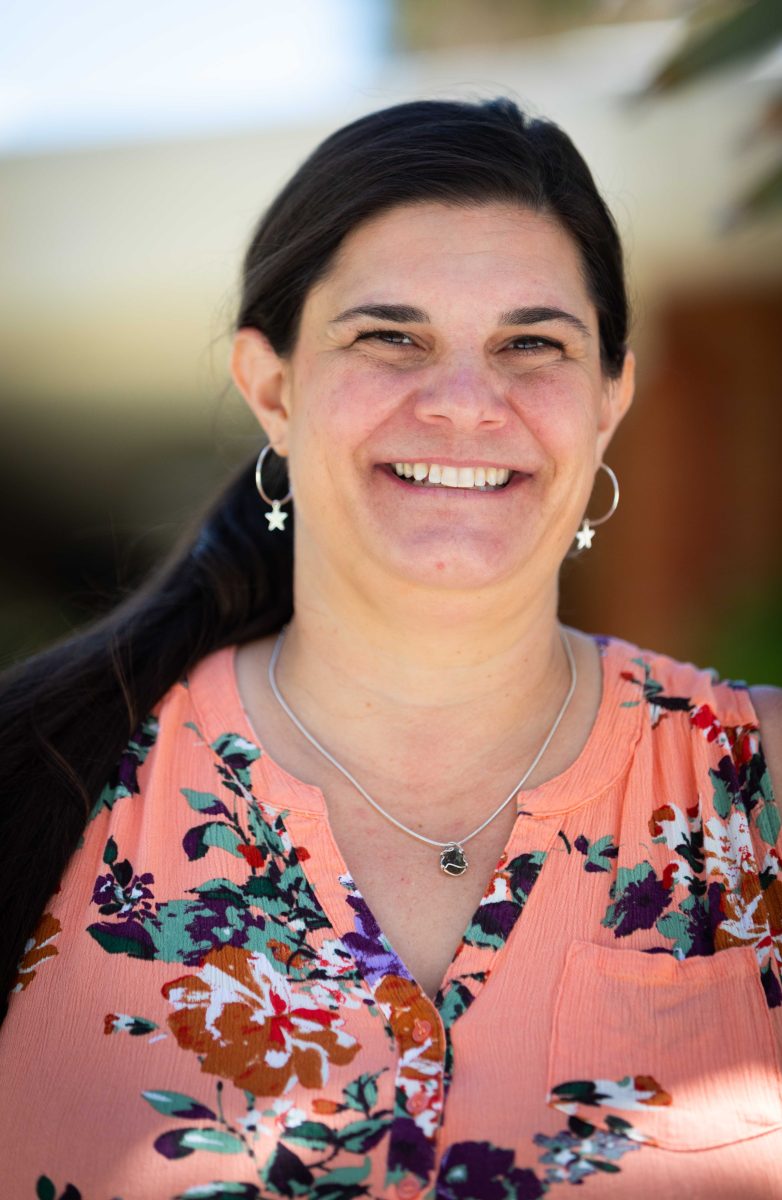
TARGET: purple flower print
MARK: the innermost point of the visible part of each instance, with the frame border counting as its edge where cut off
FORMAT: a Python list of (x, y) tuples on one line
[(372, 953), (480, 1171), (409, 1149), (113, 897), (640, 899), (523, 871), (496, 919)]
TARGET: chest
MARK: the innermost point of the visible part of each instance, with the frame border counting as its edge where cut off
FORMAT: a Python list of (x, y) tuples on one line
[(422, 911)]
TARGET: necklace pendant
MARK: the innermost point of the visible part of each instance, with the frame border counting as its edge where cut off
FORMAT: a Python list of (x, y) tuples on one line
[(452, 860)]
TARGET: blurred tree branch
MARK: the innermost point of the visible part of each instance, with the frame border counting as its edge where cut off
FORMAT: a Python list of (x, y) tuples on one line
[(719, 39)]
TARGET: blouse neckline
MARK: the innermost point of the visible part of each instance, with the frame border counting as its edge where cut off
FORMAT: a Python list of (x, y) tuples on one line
[(605, 755)]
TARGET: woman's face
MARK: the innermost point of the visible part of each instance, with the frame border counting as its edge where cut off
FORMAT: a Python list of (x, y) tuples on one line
[(485, 361)]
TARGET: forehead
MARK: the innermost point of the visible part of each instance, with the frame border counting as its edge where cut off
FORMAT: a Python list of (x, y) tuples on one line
[(502, 250)]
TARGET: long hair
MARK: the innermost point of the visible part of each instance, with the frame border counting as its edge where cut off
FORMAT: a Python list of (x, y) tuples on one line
[(67, 713)]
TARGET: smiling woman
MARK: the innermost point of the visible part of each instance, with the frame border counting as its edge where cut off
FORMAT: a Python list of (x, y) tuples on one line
[(280, 817)]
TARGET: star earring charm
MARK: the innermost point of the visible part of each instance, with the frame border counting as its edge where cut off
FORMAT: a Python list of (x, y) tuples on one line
[(584, 536), (274, 515), (586, 532)]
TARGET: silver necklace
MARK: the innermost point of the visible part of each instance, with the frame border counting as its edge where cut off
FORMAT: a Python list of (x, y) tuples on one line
[(452, 857)]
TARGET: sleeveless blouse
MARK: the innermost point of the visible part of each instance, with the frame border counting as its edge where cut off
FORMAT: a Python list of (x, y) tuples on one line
[(209, 1009)]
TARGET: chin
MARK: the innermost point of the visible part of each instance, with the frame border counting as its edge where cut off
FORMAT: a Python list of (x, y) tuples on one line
[(453, 567)]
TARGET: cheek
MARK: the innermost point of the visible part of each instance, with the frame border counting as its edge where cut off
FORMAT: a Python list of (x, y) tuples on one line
[(559, 408), (342, 410)]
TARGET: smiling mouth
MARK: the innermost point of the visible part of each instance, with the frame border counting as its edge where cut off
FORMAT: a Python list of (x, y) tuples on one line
[(431, 475)]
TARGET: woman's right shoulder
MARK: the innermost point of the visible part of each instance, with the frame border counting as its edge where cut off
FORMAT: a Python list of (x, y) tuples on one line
[(174, 738)]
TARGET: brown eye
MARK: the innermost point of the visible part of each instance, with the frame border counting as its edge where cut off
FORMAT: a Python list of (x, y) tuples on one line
[(389, 336), (530, 344)]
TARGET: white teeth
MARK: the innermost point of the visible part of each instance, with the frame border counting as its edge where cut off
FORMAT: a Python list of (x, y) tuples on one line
[(461, 477)]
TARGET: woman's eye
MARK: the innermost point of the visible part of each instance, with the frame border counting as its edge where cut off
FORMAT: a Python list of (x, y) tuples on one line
[(390, 336), (531, 345)]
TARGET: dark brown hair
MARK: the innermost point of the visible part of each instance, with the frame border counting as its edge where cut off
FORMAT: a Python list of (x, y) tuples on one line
[(67, 713)]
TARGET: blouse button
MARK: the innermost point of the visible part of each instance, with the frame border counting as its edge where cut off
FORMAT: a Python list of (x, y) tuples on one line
[(421, 1030), (417, 1103), (408, 1187)]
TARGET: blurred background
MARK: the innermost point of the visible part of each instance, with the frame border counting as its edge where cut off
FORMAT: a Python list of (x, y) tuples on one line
[(139, 145)]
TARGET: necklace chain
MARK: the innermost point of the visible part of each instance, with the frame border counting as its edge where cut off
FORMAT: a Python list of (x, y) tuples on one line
[(457, 862)]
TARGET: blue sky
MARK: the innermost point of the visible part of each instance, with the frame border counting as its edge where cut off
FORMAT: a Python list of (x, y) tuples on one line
[(76, 73)]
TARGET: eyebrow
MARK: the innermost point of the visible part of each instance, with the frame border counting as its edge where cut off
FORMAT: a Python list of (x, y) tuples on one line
[(405, 313)]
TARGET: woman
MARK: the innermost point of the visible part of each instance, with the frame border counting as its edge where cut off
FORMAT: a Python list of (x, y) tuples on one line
[(398, 888)]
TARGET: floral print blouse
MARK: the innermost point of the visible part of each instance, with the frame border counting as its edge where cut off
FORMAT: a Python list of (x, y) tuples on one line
[(208, 1008)]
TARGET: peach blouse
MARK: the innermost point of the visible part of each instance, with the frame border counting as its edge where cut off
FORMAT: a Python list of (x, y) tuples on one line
[(208, 1008)]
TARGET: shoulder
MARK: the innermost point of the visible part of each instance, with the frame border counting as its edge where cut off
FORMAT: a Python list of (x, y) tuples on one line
[(180, 732), (767, 702)]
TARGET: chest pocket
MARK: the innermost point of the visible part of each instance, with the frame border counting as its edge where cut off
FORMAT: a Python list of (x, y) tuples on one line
[(685, 1051)]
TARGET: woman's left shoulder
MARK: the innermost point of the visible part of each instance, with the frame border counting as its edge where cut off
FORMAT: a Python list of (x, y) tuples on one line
[(767, 702)]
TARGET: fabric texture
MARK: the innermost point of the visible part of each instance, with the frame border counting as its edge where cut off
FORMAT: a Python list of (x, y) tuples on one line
[(208, 1007)]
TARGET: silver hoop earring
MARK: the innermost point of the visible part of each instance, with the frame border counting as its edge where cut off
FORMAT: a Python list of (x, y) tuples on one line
[(275, 516), (586, 532)]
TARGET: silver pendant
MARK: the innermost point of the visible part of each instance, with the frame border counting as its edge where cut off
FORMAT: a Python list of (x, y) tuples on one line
[(452, 860)]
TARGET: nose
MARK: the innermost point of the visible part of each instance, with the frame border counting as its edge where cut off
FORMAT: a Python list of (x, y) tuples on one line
[(464, 398)]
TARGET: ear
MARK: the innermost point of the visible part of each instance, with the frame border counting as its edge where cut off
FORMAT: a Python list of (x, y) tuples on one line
[(617, 398), (261, 376)]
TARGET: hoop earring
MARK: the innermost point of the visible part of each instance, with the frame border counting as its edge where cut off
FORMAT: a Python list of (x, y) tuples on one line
[(586, 532), (275, 516)]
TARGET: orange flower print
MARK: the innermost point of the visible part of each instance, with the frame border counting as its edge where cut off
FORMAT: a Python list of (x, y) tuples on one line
[(248, 1024), (38, 947)]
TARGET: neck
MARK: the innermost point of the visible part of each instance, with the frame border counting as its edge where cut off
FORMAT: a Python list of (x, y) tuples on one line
[(423, 670)]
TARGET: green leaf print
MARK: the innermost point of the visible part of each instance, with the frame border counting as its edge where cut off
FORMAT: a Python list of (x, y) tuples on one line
[(177, 1104), (677, 926), (598, 854), (114, 942), (237, 753), (361, 1094), (219, 889), (724, 795), (361, 1136), (110, 852), (769, 823), (261, 887), (456, 1001), (173, 934), (343, 1183), (45, 1189), (202, 801), (215, 1140), (197, 840), (310, 1133), (266, 836)]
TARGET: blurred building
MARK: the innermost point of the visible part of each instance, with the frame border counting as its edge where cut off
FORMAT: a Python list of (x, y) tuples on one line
[(120, 257)]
